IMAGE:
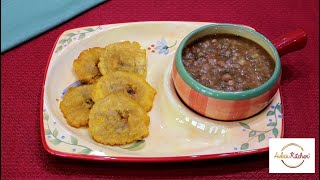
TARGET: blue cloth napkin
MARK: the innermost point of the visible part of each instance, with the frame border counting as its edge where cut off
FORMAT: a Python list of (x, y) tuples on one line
[(24, 19)]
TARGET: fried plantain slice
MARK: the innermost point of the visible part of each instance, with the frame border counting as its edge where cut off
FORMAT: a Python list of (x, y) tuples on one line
[(76, 105), (128, 83), (86, 65), (124, 56), (118, 120)]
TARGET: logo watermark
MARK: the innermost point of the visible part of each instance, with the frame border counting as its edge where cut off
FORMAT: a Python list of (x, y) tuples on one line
[(292, 155)]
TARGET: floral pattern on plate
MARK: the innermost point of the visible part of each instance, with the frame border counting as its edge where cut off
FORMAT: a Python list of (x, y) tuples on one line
[(162, 47), (67, 38), (274, 114)]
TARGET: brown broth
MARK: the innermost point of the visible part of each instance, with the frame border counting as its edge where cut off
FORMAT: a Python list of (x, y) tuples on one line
[(228, 62)]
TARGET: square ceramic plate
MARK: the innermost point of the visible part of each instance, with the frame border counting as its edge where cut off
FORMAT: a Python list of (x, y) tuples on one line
[(175, 132)]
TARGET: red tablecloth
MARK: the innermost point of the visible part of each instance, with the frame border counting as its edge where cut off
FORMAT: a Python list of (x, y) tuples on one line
[(22, 69)]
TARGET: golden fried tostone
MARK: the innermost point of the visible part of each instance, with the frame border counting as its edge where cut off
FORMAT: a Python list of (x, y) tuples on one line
[(76, 105), (118, 120), (128, 83), (124, 56), (86, 65)]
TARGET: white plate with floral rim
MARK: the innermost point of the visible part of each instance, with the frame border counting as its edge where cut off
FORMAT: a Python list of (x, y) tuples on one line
[(176, 133)]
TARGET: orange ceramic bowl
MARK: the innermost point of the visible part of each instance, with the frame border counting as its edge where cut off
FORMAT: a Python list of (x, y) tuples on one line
[(223, 105)]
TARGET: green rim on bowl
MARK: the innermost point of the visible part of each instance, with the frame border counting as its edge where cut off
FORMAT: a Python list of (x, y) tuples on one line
[(223, 94)]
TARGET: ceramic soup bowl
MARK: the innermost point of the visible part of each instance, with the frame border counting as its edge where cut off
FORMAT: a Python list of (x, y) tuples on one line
[(223, 105)]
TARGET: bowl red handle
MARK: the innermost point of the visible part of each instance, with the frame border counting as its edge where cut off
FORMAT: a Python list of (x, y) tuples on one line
[(290, 42)]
